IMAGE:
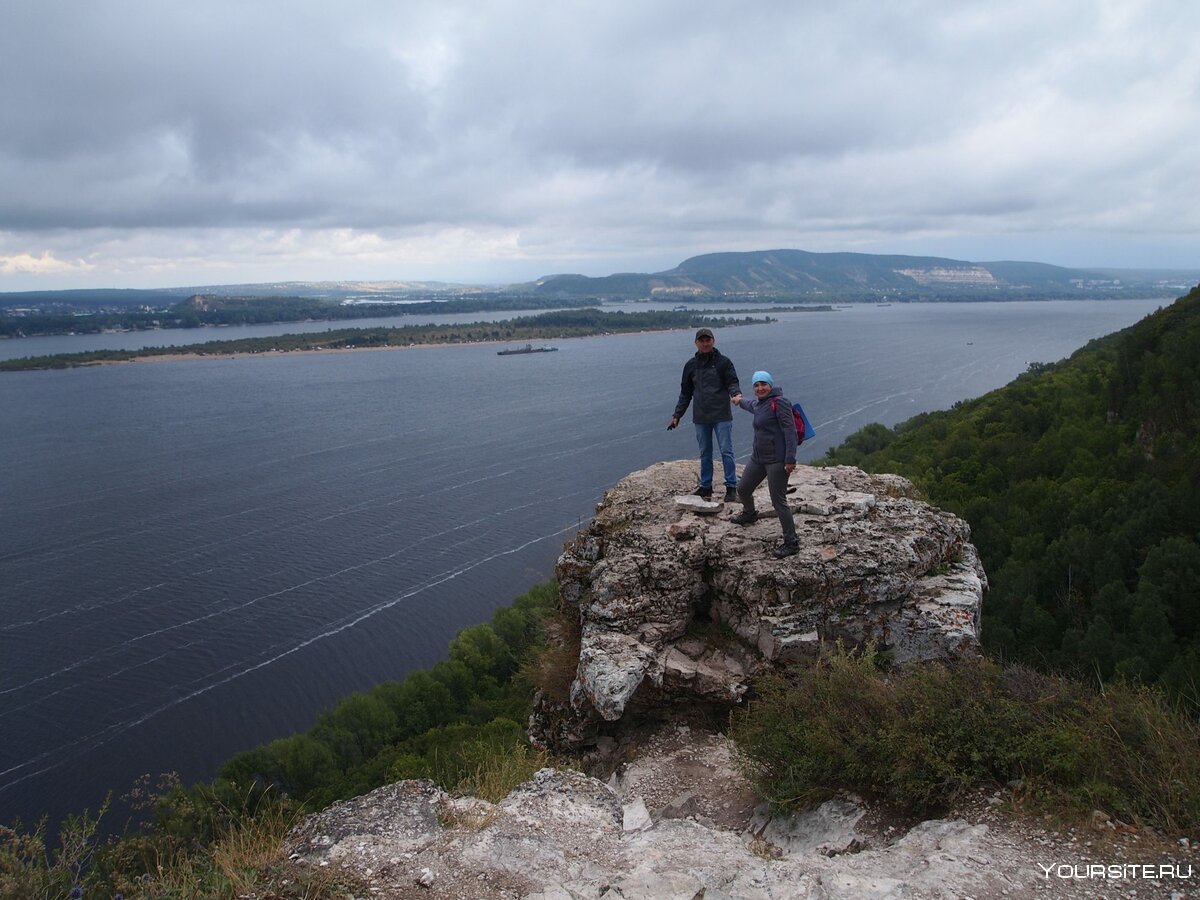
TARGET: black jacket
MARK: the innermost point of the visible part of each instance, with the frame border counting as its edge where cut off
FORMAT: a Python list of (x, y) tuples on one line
[(710, 380)]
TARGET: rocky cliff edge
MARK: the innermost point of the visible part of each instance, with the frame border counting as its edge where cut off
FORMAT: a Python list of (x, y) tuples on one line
[(678, 608), (677, 605), (679, 821)]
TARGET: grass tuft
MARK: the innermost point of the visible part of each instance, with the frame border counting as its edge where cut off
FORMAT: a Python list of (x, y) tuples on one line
[(498, 770), (552, 669)]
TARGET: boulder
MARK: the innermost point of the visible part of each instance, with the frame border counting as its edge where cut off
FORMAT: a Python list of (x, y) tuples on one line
[(678, 605)]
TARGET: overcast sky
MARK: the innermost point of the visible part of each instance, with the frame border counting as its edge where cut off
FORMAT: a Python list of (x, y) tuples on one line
[(149, 143)]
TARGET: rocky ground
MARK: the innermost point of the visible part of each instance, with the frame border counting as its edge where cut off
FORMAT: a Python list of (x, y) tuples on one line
[(678, 607), (678, 820)]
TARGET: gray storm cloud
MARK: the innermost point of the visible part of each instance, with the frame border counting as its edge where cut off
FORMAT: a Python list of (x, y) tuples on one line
[(163, 139)]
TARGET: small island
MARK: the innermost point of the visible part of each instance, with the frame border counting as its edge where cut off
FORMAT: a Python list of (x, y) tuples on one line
[(545, 326)]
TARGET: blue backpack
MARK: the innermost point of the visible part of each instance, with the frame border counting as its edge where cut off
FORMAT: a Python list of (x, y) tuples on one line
[(804, 428)]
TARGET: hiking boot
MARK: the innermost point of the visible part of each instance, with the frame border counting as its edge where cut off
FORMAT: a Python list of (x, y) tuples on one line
[(744, 518), (731, 495), (784, 550), (703, 493)]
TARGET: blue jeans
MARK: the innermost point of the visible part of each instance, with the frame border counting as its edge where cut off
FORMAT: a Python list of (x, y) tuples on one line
[(704, 437)]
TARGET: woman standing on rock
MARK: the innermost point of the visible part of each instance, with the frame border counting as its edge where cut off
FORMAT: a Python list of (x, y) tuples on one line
[(773, 457)]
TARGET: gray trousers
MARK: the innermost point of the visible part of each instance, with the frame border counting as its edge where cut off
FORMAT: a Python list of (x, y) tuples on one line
[(777, 479)]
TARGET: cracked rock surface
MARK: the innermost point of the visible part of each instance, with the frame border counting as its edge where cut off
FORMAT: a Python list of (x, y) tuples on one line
[(678, 820), (676, 603)]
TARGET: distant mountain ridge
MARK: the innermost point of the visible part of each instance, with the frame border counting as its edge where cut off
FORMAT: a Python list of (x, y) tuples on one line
[(777, 274), (857, 276)]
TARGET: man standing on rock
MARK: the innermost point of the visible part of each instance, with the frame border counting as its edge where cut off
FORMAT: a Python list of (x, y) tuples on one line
[(709, 383)]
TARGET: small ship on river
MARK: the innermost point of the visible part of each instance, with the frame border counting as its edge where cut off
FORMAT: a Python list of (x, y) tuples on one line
[(528, 348)]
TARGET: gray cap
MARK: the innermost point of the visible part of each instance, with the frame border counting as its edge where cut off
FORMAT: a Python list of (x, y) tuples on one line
[(703, 333)]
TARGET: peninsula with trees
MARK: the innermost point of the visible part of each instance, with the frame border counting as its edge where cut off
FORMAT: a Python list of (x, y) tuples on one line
[(545, 326)]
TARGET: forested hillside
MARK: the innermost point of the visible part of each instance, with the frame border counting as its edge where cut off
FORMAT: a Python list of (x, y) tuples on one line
[(1081, 482), (782, 274)]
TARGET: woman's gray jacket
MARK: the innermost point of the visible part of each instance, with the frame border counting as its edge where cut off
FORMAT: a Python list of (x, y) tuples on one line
[(774, 429)]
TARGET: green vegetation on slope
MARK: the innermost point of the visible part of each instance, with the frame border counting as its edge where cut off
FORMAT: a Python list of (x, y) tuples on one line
[(923, 737), (433, 724), (456, 723), (1081, 483), (854, 277)]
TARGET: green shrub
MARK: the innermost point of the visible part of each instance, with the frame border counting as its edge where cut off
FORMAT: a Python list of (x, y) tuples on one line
[(923, 737), (240, 855), (29, 868), (495, 770)]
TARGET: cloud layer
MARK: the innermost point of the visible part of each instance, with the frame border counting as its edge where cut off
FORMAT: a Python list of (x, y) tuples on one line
[(146, 143)]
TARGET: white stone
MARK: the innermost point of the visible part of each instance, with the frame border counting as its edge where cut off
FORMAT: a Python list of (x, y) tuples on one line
[(636, 817), (830, 826), (699, 505)]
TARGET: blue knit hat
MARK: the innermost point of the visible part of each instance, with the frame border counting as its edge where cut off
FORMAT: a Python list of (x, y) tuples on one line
[(760, 375)]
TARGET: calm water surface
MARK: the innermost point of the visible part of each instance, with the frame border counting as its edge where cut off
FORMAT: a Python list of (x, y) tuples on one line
[(199, 556)]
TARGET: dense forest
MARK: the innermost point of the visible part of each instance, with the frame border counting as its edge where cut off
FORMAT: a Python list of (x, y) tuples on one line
[(548, 325), (1081, 483)]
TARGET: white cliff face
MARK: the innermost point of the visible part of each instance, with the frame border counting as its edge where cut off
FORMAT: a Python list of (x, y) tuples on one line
[(657, 572), (958, 275)]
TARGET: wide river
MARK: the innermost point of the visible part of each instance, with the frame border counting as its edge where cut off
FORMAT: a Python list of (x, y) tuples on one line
[(199, 556)]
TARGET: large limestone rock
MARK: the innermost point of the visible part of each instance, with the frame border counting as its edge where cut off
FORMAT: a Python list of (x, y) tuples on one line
[(677, 603), (678, 821)]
